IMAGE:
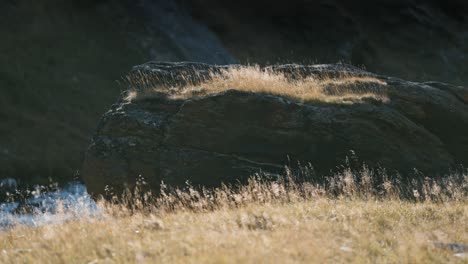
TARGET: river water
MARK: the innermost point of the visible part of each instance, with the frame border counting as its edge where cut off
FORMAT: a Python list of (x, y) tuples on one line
[(70, 202)]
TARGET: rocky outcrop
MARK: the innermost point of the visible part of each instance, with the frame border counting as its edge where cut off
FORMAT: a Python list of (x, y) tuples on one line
[(228, 136)]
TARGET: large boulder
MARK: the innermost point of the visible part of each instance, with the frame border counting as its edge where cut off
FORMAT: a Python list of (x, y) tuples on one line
[(228, 136)]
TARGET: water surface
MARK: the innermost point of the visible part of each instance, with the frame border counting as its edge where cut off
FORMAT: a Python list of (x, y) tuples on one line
[(68, 203)]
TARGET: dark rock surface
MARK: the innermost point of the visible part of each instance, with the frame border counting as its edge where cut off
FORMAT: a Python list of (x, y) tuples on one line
[(228, 136)]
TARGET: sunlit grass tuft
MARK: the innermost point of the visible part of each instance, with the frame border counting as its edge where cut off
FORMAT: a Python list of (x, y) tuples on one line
[(343, 89)]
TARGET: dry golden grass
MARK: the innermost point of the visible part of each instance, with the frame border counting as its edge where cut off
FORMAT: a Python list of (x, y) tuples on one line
[(346, 220), (343, 89)]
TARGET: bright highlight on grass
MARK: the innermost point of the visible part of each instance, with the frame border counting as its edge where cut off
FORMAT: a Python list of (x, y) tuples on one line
[(345, 89)]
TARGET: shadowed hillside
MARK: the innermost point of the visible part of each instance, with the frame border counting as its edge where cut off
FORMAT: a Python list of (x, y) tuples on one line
[(415, 40)]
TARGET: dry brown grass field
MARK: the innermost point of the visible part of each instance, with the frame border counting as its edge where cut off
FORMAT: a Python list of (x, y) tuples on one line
[(351, 218)]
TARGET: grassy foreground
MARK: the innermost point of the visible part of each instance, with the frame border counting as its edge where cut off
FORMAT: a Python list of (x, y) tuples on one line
[(266, 222)]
